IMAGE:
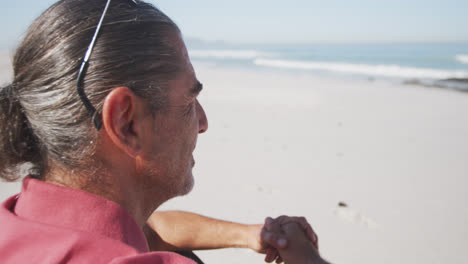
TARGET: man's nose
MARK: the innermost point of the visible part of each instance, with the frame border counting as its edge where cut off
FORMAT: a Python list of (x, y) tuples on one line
[(202, 120)]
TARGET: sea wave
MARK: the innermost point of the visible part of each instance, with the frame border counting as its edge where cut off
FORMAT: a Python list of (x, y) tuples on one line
[(462, 58), (364, 69), (228, 54)]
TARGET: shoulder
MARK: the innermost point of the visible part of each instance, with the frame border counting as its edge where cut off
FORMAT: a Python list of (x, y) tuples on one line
[(26, 241), (39, 243)]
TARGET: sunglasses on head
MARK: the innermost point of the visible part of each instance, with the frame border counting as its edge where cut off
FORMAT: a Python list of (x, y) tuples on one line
[(84, 67)]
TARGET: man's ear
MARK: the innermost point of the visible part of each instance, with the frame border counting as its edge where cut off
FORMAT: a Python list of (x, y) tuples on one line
[(123, 116)]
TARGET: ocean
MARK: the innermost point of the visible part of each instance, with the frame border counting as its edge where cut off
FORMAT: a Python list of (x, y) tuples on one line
[(437, 65)]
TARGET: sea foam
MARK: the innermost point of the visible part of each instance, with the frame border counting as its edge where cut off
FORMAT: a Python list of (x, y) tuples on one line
[(364, 69), (462, 58)]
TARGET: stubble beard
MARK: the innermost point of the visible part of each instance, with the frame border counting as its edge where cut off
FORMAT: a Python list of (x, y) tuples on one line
[(171, 185), (188, 184)]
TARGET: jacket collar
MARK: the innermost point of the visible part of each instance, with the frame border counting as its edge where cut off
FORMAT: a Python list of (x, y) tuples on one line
[(75, 209)]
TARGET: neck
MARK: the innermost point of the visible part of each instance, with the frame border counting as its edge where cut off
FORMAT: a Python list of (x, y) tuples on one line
[(114, 185)]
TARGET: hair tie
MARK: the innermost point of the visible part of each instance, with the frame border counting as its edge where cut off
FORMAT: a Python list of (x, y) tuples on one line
[(6, 91), (9, 92)]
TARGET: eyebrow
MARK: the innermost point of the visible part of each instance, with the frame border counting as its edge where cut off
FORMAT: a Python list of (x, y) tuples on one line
[(197, 88)]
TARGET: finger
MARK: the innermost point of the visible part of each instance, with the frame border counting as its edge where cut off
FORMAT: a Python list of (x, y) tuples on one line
[(281, 219), (270, 255), (277, 255), (274, 224), (311, 235), (302, 221), (273, 239), (268, 238), (268, 223), (281, 243), (274, 234), (314, 238), (279, 260)]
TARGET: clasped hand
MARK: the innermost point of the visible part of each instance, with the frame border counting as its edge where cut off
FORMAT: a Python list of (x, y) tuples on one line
[(289, 239)]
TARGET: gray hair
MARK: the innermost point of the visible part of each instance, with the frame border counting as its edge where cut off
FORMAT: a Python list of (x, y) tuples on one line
[(42, 118)]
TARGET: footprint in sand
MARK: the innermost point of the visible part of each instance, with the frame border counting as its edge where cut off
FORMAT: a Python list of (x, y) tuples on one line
[(261, 189), (344, 212)]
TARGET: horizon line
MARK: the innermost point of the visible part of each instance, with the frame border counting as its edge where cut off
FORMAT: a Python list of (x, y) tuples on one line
[(228, 42), (12, 48)]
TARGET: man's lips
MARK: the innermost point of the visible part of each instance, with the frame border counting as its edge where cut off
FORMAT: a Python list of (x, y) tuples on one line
[(193, 160)]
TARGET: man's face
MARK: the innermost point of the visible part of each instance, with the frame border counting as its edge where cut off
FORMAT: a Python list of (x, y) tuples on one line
[(176, 127)]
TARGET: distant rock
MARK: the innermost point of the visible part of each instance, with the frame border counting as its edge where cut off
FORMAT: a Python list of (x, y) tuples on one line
[(456, 80), (458, 84)]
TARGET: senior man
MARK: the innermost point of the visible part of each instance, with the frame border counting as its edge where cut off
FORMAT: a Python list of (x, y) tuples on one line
[(95, 185)]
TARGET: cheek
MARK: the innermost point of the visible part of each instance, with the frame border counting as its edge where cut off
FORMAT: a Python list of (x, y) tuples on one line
[(190, 126), (177, 135)]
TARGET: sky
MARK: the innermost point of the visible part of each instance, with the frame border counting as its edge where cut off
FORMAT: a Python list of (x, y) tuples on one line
[(292, 21)]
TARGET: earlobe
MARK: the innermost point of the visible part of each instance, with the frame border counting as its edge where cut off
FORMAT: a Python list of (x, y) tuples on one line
[(119, 114)]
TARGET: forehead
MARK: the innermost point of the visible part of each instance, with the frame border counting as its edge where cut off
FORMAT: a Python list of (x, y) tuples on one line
[(183, 83), (182, 49)]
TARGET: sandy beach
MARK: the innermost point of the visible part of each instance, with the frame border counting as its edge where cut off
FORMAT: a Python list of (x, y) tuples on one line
[(298, 144)]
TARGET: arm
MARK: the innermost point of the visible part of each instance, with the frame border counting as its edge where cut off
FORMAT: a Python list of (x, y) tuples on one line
[(177, 230)]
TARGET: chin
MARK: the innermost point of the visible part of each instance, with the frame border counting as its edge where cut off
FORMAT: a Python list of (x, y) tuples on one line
[(187, 185)]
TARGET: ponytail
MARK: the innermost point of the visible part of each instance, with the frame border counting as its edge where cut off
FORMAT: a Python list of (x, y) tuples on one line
[(18, 145)]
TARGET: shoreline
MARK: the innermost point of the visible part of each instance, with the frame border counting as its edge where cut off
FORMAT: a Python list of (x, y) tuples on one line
[(451, 84)]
